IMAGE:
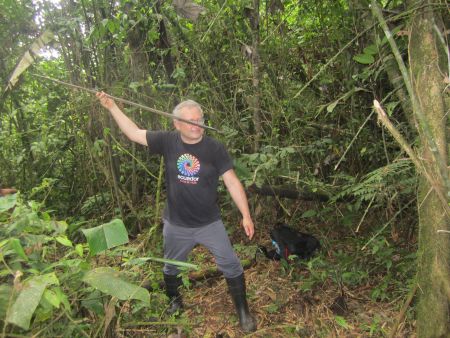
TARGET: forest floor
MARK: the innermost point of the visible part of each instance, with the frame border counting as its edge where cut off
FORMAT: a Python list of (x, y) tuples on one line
[(287, 302), (283, 310)]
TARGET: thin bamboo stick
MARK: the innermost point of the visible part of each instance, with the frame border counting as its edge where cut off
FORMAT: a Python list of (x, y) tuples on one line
[(131, 103)]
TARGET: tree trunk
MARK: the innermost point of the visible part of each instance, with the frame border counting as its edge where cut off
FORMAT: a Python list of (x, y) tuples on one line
[(255, 102), (434, 242), (164, 44), (107, 78), (136, 38)]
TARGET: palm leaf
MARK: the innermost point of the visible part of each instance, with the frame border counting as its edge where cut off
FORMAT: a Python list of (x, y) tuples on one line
[(28, 58)]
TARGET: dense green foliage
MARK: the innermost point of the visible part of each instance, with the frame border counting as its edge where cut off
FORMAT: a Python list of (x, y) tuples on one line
[(321, 66)]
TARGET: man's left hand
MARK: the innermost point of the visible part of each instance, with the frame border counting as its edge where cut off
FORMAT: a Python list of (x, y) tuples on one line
[(249, 227)]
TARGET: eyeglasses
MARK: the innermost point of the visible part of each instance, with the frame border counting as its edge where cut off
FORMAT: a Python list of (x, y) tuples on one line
[(199, 121)]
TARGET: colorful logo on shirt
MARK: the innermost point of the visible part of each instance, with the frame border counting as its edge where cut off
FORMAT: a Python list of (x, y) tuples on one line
[(188, 166)]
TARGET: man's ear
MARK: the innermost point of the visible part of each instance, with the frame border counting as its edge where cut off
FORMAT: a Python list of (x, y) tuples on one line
[(176, 124)]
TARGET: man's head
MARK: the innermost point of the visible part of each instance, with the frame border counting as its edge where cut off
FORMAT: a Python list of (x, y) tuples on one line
[(192, 111)]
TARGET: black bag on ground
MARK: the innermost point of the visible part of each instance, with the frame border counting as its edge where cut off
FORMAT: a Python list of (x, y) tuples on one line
[(287, 241)]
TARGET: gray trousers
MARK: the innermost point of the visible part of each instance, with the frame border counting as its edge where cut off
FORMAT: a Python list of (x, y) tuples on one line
[(179, 241)]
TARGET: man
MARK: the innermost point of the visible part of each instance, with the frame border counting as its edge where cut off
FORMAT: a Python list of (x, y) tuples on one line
[(193, 164)]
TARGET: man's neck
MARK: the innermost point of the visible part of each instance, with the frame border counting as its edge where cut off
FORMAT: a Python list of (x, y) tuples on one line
[(191, 141)]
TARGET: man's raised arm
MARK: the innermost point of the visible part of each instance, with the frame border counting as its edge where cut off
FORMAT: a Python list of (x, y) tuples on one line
[(128, 127)]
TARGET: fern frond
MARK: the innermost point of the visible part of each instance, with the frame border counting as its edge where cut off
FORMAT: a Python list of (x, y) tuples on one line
[(382, 182)]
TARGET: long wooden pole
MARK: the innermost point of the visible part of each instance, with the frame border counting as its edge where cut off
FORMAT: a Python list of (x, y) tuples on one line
[(131, 103)]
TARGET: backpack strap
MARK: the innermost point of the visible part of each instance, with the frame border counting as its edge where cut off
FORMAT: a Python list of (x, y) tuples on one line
[(286, 253)]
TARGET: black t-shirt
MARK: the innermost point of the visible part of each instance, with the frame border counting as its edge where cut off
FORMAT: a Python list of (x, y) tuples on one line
[(192, 174)]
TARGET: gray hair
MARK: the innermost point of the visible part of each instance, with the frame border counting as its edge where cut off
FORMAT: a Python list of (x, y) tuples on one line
[(187, 103)]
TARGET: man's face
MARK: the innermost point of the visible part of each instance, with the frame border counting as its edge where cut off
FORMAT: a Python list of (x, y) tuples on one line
[(190, 133)]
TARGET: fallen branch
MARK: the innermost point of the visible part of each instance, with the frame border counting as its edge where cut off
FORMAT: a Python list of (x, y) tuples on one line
[(267, 190)]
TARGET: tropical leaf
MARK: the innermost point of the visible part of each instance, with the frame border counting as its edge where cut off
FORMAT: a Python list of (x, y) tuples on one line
[(309, 213), (108, 281), (188, 9), (365, 59), (28, 58), (52, 298), (371, 50), (106, 236), (15, 245), (242, 171), (29, 297), (7, 202), (79, 249), (344, 97), (342, 322), (64, 241), (331, 106), (5, 294)]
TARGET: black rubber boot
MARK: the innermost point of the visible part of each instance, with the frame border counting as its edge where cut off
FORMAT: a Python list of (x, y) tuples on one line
[(173, 283), (236, 286)]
